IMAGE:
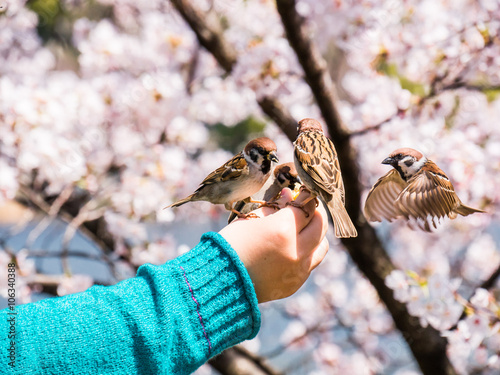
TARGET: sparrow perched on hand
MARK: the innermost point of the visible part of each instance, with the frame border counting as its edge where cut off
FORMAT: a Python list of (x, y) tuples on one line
[(318, 167), (284, 176), (239, 178), (415, 189)]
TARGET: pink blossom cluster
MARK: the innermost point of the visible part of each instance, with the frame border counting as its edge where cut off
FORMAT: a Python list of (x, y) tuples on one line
[(340, 320), (24, 274), (474, 340), (431, 299), (475, 344)]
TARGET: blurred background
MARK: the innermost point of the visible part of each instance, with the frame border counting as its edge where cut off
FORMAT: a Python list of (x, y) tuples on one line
[(110, 110)]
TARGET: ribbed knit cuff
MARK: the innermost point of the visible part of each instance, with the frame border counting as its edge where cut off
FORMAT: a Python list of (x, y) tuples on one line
[(221, 291)]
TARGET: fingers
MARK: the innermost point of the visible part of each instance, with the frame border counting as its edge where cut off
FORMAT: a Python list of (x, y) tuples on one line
[(319, 253), (310, 237), (286, 196), (304, 215), (288, 212)]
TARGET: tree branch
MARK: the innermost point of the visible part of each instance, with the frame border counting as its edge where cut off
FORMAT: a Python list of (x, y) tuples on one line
[(371, 128), (67, 213), (73, 253), (320, 327), (367, 251), (486, 284), (209, 32), (490, 281), (280, 115), (238, 360), (49, 283), (469, 86), (52, 212), (315, 68)]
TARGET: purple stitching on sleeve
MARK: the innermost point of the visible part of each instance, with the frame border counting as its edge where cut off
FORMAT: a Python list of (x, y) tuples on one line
[(197, 310)]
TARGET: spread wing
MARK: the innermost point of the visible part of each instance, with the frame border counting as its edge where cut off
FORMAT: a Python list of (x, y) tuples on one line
[(233, 168), (317, 156), (428, 194), (380, 203)]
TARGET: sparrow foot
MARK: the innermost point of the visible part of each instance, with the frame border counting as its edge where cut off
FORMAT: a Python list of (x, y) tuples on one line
[(303, 188), (298, 205), (250, 215), (272, 204)]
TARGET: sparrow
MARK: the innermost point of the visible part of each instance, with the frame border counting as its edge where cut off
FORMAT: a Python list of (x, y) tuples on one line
[(284, 176), (318, 167), (239, 178), (416, 189)]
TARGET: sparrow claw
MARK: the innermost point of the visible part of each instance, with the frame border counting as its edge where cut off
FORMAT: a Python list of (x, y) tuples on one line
[(274, 205), (250, 215), (297, 205), (303, 188)]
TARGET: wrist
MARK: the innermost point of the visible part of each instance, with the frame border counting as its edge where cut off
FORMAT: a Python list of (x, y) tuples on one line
[(220, 293)]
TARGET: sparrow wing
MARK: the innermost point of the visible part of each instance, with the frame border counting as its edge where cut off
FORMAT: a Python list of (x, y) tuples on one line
[(232, 169), (380, 202), (429, 193), (317, 156)]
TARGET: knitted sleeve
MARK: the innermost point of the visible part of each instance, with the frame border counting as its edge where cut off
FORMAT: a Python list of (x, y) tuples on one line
[(168, 320)]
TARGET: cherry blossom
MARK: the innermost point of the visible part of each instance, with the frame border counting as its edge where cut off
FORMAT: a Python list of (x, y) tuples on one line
[(128, 128), (74, 284)]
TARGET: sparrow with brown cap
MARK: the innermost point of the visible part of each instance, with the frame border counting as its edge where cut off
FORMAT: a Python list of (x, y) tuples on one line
[(318, 167), (415, 189), (239, 178), (284, 176)]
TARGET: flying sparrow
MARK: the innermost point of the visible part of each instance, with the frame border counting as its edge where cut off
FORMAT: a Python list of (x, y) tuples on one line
[(318, 167), (415, 189), (239, 178), (284, 176)]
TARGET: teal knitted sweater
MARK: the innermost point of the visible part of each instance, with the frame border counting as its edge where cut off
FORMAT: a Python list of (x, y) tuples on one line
[(170, 319)]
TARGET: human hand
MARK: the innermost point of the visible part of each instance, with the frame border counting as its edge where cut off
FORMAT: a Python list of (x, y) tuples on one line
[(280, 248)]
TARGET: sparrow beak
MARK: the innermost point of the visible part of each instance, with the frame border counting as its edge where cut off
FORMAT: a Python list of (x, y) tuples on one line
[(388, 160), (273, 157)]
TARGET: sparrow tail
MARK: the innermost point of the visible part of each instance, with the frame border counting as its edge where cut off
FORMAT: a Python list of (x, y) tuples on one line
[(181, 202), (343, 225), (466, 210)]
